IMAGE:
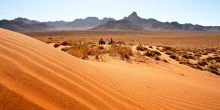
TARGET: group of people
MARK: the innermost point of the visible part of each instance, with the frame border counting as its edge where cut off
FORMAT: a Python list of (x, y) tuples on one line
[(102, 42)]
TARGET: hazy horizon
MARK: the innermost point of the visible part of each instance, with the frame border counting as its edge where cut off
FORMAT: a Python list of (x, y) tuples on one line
[(201, 12)]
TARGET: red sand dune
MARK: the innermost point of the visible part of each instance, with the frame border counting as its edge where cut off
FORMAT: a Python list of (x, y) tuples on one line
[(34, 75)]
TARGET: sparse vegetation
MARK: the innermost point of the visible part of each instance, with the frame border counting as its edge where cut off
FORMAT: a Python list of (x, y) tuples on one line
[(173, 57), (85, 49), (156, 52), (80, 51), (65, 43), (157, 58), (213, 69), (168, 53), (199, 57), (196, 66), (188, 56), (202, 63), (185, 61), (149, 54), (123, 51), (152, 53), (141, 48), (164, 60), (65, 49), (56, 45)]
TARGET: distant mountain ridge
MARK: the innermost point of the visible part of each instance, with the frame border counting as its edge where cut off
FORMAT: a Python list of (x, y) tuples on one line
[(86, 23), (131, 22), (118, 25), (23, 24), (153, 24)]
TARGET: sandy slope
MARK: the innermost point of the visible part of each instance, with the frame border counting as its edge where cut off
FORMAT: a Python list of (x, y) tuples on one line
[(34, 75)]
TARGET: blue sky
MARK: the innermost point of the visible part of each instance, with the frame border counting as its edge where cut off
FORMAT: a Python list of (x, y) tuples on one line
[(204, 12)]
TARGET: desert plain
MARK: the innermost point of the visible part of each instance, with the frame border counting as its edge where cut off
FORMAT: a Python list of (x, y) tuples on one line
[(138, 71)]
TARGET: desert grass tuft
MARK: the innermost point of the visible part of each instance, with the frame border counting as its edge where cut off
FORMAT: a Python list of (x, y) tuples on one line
[(56, 45), (141, 48), (214, 69), (84, 50), (123, 52)]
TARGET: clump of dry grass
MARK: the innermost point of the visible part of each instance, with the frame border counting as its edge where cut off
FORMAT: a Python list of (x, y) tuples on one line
[(79, 51), (157, 58), (65, 49), (89, 49), (141, 48), (202, 63), (184, 61), (85, 49), (65, 43), (169, 53), (123, 51), (211, 63), (157, 53), (175, 57), (164, 60), (187, 56), (56, 45), (198, 55), (196, 66), (151, 53), (214, 69), (217, 59), (168, 49)]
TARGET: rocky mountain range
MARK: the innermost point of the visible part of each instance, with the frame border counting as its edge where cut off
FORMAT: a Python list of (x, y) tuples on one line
[(23, 24), (153, 25), (118, 25), (86, 23), (131, 22)]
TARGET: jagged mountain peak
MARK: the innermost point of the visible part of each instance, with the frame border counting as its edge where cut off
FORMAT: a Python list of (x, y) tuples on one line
[(135, 19), (133, 14)]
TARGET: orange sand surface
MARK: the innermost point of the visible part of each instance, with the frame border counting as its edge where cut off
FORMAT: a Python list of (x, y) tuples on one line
[(34, 75)]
